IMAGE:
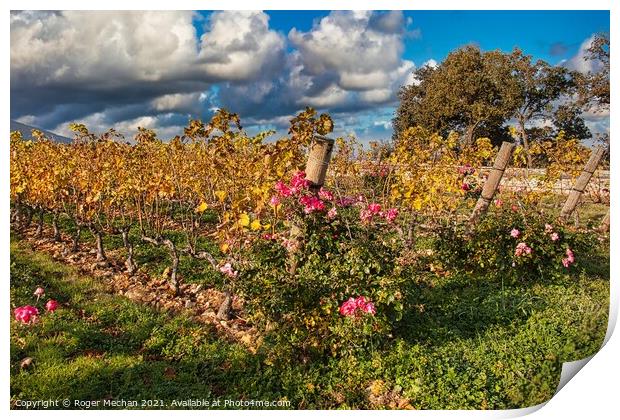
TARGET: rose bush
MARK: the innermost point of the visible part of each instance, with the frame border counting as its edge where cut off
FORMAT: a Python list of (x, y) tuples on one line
[(512, 244), (324, 280)]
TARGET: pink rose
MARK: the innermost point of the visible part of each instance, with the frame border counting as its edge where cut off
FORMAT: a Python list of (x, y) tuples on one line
[(326, 194), (374, 208), (282, 189), (274, 201), (515, 233), (522, 249), (51, 305), (555, 236), (365, 216), (360, 301), (348, 308), (391, 214), (228, 270), (354, 305), (369, 308), (299, 182), (39, 292), (26, 314)]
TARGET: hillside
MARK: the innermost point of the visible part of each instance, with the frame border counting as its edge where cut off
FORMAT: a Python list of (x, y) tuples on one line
[(26, 130)]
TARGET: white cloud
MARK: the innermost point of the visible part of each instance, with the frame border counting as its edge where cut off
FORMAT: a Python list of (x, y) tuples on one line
[(131, 68), (189, 102), (579, 62), (104, 48), (351, 59), (240, 46)]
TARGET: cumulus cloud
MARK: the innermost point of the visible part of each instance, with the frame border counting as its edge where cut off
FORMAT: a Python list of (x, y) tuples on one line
[(72, 64), (579, 62), (153, 69), (362, 49), (239, 46)]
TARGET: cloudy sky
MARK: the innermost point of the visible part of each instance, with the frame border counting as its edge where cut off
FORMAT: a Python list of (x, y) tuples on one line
[(159, 69)]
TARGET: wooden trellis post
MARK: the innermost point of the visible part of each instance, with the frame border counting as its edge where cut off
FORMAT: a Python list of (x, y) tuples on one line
[(492, 182), (580, 185), (604, 226), (318, 161)]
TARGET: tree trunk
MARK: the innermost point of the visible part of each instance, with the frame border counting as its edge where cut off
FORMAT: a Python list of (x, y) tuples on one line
[(29, 215), (39, 232), (174, 282), (55, 227), (225, 311), (129, 262), (16, 213), (469, 135), (526, 144), (76, 238), (99, 242)]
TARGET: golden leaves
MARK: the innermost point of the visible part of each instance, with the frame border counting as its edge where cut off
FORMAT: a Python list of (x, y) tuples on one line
[(201, 208)]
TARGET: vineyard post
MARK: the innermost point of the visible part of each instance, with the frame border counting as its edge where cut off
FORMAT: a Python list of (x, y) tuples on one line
[(604, 226), (316, 170), (492, 182), (318, 161), (581, 183)]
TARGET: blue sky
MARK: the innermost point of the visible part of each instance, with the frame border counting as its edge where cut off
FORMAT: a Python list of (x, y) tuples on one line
[(159, 69)]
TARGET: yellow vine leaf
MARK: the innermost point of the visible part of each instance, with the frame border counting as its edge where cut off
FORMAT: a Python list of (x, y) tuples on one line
[(221, 195), (201, 208), (255, 225), (244, 220)]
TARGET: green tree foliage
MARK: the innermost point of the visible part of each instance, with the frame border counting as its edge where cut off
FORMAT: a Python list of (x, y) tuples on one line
[(470, 92), (594, 86), (539, 85), (476, 93)]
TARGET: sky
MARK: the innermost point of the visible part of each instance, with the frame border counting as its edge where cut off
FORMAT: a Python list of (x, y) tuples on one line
[(159, 69)]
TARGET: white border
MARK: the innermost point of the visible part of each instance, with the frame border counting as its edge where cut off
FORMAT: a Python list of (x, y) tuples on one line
[(592, 393)]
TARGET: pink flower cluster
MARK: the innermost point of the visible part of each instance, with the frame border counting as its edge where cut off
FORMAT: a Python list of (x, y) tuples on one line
[(570, 258), (326, 194), (374, 209), (298, 183), (515, 233), (228, 270), (26, 314), (346, 201), (354, 306), (311, 204), (522, 249), (29, 314), (391, 214), (466, 169), (549, 231)]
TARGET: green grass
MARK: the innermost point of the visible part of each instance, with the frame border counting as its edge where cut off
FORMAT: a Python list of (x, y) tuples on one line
[(476, 344)]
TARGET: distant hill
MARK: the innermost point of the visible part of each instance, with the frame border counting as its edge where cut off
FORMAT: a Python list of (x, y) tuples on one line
[(26, 130)]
